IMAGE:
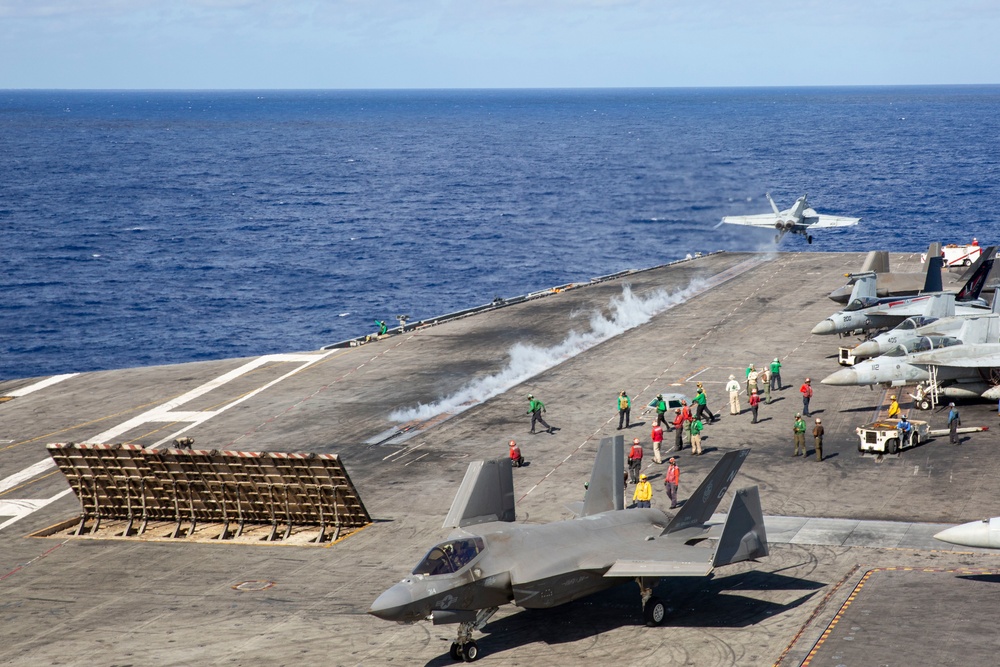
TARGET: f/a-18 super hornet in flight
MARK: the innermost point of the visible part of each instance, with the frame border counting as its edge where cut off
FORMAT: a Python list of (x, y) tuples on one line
[(866, 311), (799, 219), (489, 560)]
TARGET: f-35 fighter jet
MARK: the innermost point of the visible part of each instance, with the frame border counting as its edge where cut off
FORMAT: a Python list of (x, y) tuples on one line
[(489, 560)]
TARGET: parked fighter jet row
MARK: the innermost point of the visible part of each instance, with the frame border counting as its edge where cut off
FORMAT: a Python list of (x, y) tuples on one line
[(946, 342)]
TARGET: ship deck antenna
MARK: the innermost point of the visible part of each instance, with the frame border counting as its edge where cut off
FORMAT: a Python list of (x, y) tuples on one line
[(402, 322)]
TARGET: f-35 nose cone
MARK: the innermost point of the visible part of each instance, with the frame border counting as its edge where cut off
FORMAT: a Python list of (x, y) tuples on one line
[(825, 327), (867, 349), (392, 604), (972, 534), (845, 378)]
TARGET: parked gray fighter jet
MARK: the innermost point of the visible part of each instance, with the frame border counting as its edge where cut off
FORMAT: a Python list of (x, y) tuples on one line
[(467, 577), (896, 283), (948, 367), (970, 329), (866, 311), (887, 283), (799, 219)]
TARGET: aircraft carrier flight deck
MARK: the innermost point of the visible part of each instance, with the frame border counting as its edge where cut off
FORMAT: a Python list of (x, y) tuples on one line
[(853, 576)]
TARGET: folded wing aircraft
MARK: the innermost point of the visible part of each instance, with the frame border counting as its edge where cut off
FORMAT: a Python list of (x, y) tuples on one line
[(799, 219), (488, 560)]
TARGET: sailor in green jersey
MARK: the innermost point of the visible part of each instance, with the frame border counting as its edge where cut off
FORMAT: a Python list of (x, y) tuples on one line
[(799, 430), (536, 408)]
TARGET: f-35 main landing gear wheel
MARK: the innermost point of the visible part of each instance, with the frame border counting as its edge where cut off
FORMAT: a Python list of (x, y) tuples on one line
[(654, 611), (470, 652)]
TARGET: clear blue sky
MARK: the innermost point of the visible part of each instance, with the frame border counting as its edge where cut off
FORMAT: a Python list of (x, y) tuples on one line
[(183, 44)]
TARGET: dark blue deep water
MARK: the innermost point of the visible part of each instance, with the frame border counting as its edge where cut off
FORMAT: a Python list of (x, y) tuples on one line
[(159, 227)]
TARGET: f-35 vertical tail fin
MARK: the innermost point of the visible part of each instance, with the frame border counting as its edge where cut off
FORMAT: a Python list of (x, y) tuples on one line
[(486, 494), (699, 507), (877, 261), (743, 536), (606, 489)]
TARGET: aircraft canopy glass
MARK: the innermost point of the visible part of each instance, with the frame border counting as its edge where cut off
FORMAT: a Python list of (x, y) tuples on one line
[(911, 323), (451, 556), (927, 343), (862, 302)]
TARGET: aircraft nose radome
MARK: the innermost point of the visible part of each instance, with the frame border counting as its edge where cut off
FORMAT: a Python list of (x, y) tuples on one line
[(868, 349), (972, 534), (844, 378), (392, 603), (825, 327)]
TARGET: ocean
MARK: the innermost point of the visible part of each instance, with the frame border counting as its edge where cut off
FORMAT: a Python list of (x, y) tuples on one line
[(146, 228)]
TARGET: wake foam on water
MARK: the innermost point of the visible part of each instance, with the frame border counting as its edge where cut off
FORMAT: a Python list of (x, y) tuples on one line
[(525, 360)]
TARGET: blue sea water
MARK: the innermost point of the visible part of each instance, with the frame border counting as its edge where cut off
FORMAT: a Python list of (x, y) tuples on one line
[(160, 227)]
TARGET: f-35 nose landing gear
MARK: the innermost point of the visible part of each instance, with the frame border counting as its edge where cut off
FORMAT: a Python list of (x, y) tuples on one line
[(465, 647)]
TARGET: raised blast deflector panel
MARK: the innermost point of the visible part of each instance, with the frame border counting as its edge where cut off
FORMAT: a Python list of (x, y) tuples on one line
[(486, 494)]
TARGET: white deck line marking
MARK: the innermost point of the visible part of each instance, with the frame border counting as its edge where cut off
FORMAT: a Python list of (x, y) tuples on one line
[(161, 413), (26, 474), (41, 384), (32, 506), (416, 459)]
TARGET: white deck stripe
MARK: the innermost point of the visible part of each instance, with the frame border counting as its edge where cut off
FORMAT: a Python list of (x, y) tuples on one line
[(26, 474), (41, 384)]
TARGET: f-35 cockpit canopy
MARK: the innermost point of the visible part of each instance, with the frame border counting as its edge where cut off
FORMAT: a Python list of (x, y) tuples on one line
[(451, 556)]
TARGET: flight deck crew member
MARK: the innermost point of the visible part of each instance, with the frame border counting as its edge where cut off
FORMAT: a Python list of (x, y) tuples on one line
[(893, 408), (733, 387), (624, 409), (807, 392), (678, 429), (765, 379), (702, 402), (536, 408), (754, 404), (516, 459), (643, 492), (657, 436), (686, 414), (905, 429), (751, 372), (953, 423), (382, 328), (696, 428), (661, 408), (818, 438), (671, 481), (799, 430), (635, 461), (775, 374)]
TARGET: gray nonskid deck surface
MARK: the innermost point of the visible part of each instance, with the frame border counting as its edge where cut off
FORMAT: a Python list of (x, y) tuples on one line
[(79, 602)]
